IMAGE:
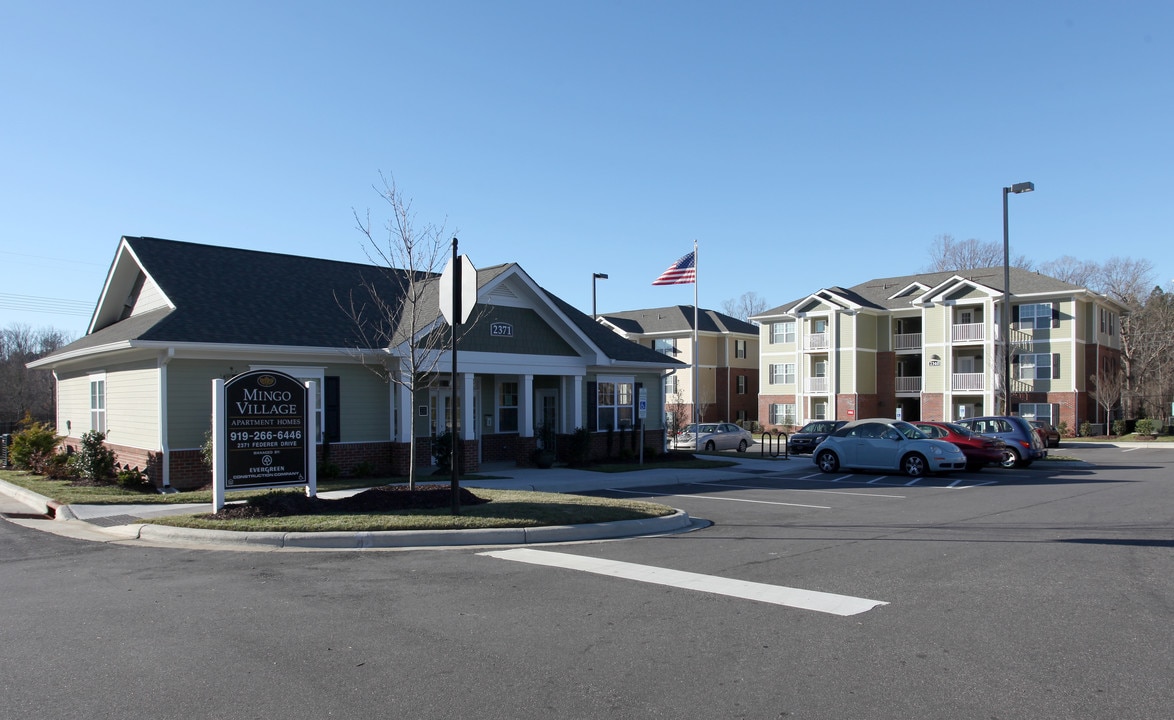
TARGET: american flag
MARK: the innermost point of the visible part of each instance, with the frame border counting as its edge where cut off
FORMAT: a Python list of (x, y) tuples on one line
[(682, 272)]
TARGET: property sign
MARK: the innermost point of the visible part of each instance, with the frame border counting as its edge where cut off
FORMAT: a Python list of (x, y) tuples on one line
[(265, 433), (266, 430)]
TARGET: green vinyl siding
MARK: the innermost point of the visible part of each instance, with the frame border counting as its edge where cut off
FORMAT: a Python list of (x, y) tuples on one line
[(132, 405)]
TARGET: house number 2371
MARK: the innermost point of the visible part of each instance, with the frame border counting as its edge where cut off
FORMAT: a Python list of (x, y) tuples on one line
[(501, 329)]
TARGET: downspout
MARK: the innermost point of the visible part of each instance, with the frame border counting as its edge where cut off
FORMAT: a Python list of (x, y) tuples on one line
[(164, 446)]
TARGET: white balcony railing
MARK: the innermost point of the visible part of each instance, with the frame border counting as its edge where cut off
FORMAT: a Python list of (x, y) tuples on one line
[(908, 384), (968, 332), (816, 385), (816, 341), (967, 381), (907, 341)]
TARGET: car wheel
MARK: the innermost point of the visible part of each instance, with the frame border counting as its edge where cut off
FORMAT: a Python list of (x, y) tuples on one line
[(1010, 458), (741, 446), (709, 446), (914, 465), (827, 461)]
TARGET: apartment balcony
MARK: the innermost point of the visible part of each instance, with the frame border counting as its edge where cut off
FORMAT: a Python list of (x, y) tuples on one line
[(968, 332), (968, 381), (816, 341), (907, 341), (816, 385), (908, 384)]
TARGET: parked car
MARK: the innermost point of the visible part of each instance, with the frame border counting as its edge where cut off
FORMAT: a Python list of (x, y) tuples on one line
[(812, 434), (713, 436), (979, 450), (888, 445), (1023, 443), (1047, 432)]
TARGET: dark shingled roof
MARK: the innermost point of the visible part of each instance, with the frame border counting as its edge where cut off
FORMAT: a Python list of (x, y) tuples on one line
[(246, 297), (677, 318), (877, 294)]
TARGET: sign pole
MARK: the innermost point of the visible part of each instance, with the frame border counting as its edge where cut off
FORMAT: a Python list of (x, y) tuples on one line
[(455, 459)]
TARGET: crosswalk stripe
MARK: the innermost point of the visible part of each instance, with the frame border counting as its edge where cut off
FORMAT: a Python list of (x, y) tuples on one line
[(831, 603)]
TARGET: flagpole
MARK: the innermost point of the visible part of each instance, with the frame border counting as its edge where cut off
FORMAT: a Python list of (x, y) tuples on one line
[(696, 282)]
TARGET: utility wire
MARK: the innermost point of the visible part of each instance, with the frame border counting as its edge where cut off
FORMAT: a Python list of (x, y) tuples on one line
[(57, 306)]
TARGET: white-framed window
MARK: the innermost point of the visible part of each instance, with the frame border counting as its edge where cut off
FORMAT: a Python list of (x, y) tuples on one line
[(782, 413), (819, 410), (819, 326), (740, 349), (740, 384), (820, 369), (98, 403), (507, 406), (1035, 366), (1035, 315), (1048, 412), (782, 373), (782, 332), (615, 399), (670, 385), (665, 346)]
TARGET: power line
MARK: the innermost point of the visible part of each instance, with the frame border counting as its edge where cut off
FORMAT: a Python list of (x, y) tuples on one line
[(55, 306)]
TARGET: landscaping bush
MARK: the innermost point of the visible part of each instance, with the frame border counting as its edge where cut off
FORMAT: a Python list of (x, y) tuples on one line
[(33, 446), (132, 479), (94, 461), (1119, 427), (59, 467), (1063, 428), (579, 448), (1145, 426), (1085, 428), (364, 469)]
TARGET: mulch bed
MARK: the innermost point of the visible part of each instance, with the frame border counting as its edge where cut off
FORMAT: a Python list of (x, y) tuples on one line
[(378, 499)]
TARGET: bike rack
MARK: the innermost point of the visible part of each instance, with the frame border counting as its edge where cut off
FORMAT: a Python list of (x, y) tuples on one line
[(773, 445)]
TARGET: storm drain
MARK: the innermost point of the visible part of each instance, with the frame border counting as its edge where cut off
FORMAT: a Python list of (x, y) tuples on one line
[(113, 520)]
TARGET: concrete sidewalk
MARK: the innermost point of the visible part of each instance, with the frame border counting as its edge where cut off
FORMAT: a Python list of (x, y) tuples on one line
[(107, 523)]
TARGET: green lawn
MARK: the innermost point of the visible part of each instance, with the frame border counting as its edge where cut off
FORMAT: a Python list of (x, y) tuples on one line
[(505, 509)]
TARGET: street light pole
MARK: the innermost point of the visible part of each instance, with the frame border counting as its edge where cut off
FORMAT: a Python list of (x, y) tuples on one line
[(1005, 315), (594, 277)]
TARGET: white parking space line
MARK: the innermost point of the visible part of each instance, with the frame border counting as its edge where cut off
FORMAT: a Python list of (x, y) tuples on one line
[(831, 603), (727, 499), (800, 490), (874, 481), (914, 481)]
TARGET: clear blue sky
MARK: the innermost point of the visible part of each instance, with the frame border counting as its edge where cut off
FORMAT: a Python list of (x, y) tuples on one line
[(802, 145)]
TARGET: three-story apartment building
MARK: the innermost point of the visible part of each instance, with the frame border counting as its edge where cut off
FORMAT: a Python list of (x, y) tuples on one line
[(929, 347), (727, 360)]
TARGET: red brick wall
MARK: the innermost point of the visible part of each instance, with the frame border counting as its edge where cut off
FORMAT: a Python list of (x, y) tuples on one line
[(764, 403), (932, 406), (855, 406)]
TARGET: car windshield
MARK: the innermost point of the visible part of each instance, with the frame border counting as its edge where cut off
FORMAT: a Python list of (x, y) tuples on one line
[(818, 427), (708, 429), (910, 431), (960, 430)]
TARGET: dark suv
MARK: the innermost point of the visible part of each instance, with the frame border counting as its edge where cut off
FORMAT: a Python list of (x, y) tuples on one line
[(1023, 443), (812, 434)]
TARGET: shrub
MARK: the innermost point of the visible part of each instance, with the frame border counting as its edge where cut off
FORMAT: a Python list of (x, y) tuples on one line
[(132, 479), (1085, 428), (1119, 427), (206, 449), (1063, 428), (650, 452), (364, 469), (59, 467), (1144, 426), (33, 446), (579, 450), (328, 471), (94, 461)]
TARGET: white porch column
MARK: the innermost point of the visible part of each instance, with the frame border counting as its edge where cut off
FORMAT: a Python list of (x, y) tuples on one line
[(468, 419), (526, 407), (575, 401)]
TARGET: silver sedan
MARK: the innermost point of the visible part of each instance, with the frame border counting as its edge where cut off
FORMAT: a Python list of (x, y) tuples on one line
[(713, 436)]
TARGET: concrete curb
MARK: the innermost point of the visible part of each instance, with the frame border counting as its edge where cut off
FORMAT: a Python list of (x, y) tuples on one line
[(36, 502), (676, 522)]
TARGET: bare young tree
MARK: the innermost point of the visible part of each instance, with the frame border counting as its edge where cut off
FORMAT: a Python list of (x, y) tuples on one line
[(398, 310), (947, 254), (1108, 388), (1072, 270), (749, 304)]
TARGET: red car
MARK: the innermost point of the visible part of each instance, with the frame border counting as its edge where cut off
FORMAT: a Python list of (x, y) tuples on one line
[(979, 450)]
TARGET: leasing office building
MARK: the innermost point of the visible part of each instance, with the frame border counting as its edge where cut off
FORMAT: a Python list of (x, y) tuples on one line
[(173, 316)]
